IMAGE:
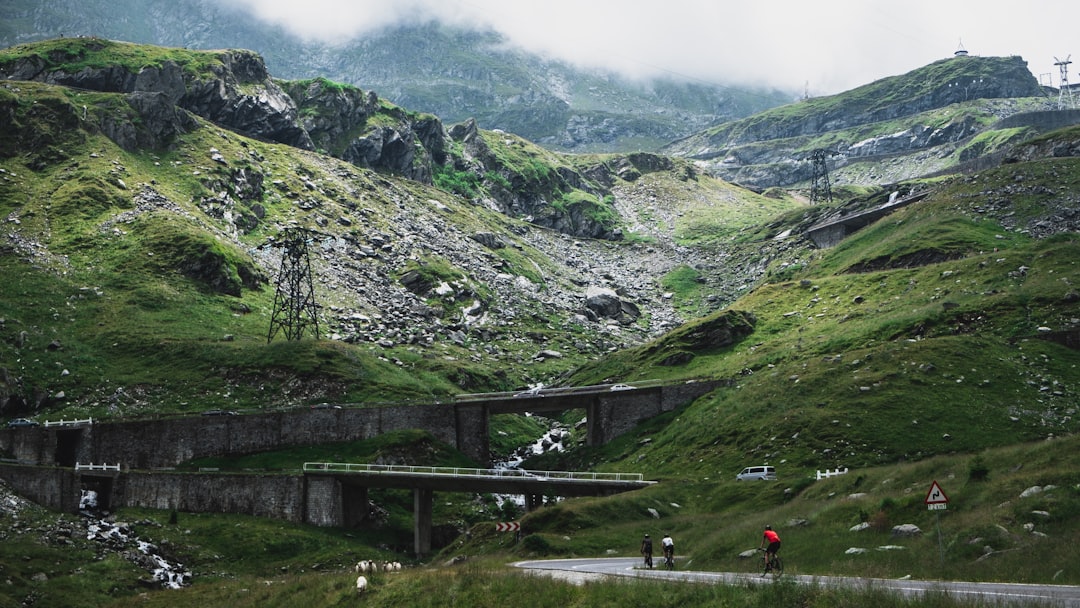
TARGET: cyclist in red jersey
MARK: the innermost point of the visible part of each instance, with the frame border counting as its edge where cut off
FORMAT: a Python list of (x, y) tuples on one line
[(773, 539)]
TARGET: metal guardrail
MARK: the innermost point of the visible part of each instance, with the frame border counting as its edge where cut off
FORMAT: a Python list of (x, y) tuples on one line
[(583, 476), (63, 422), (827, 473), (560, 390), (96, 467)]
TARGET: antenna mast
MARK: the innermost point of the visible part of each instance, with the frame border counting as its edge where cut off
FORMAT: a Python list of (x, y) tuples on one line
[(1065, 100), (819, 185), (294, 297)]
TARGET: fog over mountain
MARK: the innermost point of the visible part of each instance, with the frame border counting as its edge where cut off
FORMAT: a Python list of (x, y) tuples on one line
[(820, 47)]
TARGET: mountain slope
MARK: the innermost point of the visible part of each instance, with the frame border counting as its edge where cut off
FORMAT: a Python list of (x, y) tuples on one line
[(453, 73), (137, 282), (897, 128), (949, 326), (147, 223)]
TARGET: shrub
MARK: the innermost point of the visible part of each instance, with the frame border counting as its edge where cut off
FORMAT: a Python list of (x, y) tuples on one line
[(977, 469), (537, 544)]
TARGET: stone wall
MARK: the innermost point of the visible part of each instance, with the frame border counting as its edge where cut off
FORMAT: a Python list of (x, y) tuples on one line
[(324, 501), (165, 442), (1045, 120), (273, 496), (49, 487)]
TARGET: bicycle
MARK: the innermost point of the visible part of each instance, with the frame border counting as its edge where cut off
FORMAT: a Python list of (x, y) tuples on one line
[(648, 560), (774, 565), (669, 559)]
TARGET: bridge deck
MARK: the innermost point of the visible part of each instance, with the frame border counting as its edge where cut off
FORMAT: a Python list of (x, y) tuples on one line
[(503, 481)]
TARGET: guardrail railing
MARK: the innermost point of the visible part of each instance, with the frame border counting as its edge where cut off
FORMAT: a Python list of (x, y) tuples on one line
[(63, 422), (583, 476), (96, 467)]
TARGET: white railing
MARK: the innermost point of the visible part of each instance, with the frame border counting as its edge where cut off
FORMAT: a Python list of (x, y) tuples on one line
[(827, 474), (63, 422), (96, 467), (584, 476)]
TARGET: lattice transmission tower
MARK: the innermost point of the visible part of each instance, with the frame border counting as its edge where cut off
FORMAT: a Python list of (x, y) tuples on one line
[(820, 190), (295, 311), (1065, 99)]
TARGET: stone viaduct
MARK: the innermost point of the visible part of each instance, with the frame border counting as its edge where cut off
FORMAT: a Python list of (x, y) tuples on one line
[(145, 450), (167, 441)]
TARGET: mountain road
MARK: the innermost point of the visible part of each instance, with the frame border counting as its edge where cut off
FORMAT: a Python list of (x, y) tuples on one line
[(587, 569)]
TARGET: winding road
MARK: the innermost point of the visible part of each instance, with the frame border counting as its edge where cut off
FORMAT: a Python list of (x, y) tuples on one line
[(578, 570)]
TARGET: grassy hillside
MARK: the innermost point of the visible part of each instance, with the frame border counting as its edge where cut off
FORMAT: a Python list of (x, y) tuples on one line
[(146, 278), (935, 330), (937, 343)]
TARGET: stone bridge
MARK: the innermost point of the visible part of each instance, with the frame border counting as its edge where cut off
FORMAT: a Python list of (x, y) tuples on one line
[(166, 441), (346, 485), (325, 494)]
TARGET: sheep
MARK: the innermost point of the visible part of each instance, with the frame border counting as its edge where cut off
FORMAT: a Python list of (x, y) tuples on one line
[(361, 584), (363, 566)]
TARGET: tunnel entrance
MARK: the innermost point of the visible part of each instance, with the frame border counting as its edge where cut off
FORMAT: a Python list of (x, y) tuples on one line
[(68, 442)]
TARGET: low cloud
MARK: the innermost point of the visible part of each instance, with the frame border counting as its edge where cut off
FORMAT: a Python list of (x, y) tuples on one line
[(825, 47)]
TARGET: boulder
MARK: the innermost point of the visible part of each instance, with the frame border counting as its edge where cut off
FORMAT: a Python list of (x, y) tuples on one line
[(906, 531)]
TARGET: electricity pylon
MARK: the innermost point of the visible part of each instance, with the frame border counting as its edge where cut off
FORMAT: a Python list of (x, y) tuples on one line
[(820, 191), (294, 296)]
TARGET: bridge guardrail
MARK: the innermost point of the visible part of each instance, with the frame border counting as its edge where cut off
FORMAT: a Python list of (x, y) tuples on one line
[(584, 476), (62, 422)]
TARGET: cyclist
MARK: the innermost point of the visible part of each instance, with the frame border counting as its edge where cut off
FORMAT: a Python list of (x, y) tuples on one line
[(773, 539), (646, 550), (669, 550)]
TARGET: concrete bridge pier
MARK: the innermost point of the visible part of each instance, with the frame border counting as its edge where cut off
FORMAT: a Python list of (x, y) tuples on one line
[(533, 502), (422, 506), (354, 505)]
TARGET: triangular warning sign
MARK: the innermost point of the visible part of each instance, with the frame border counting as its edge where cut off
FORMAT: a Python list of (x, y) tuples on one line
[(935, 495)]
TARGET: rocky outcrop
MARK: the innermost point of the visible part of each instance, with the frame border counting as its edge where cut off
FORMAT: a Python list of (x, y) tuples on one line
[(236, 91)]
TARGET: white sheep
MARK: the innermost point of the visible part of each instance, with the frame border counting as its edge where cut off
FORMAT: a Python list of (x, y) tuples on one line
[(361, 584), (362, 566)]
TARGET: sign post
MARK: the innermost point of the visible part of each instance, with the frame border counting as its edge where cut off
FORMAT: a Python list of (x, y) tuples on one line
[(936, 500)]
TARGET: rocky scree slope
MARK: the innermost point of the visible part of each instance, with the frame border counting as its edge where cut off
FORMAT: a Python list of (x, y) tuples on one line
[(400, 264), (233, 89)]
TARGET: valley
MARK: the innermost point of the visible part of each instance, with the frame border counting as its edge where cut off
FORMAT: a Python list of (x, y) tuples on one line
[(141, 186)]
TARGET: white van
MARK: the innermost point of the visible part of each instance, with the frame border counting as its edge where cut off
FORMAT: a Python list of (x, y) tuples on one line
[(764, 473)]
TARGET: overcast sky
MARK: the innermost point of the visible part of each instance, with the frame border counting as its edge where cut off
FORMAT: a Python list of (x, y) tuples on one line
[(825, 46)]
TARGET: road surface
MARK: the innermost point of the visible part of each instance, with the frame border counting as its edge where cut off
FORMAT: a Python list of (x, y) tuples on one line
[(579, 570)]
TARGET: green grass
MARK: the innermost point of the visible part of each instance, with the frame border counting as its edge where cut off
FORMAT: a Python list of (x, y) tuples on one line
[(74, 54), (485, 584), (904, 353), (252, 561)]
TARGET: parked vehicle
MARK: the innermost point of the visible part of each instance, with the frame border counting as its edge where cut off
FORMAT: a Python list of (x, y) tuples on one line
[(763, 472), (622, 387), (21, 422), (219, 413)]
